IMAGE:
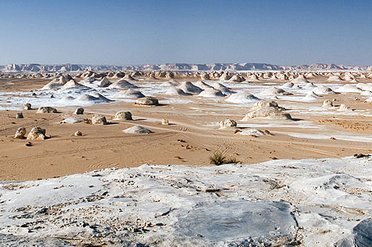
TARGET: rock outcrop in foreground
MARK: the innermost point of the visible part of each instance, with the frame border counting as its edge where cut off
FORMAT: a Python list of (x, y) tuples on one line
[(283, 202)]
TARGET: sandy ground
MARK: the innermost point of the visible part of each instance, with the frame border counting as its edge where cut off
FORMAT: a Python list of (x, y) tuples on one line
[(305, 193), (191, 138)]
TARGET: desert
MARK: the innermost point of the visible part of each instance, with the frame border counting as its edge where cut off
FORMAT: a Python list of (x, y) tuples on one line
[(298, 136), (139, 123)]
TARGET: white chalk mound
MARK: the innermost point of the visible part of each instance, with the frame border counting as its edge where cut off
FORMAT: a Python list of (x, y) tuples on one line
[(93, 98), (147, 101), (122, 84), (267, 109), (242, 97), (211, 93), (175, 91), (130, 94), (189, 88), (137, 130)]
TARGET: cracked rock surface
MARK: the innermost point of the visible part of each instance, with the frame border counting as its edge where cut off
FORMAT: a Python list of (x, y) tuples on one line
[(324, 202)]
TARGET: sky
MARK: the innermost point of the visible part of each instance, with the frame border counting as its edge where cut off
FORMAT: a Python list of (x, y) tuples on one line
[(122, 32)]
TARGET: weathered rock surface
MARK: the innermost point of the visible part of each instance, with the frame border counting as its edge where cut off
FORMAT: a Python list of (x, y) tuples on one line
[(267, 109), (227, 123), (99, 120), (137, 130), (27, 106), (311, 202), (79, 111), (37, 133), (147, 101), (46, 109), (78, 133), (123, 115), (20, 133)]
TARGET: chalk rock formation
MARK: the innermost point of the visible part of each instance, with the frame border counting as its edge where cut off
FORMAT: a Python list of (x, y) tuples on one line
[(123, 115), (99, 120), (267, 109), (79, 111), (147, 101), (27, 106), (37, 133), (137, 130), (227, 123), (46, 109), (20, 133)]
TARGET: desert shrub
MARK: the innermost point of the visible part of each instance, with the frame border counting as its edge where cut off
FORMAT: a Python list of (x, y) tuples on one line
[(219, 158)]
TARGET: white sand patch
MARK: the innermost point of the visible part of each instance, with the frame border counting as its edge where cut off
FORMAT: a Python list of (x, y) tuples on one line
[(354, 138)]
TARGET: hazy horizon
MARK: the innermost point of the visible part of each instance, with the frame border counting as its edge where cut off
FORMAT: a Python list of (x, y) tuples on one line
[(155, 32)]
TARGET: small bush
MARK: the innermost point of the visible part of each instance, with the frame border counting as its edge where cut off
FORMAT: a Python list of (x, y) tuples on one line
[(219, 158)]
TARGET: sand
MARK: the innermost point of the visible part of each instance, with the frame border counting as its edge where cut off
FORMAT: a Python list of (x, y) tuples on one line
[(191, 138), (95, 185)]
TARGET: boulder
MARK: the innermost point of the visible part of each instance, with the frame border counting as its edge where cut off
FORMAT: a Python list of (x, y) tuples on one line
[(99, 120), (79, 111), (78, 133), (147, 101), (123, 115), (165, 121), (228, 123), (267, 109), (46, 109), (20, 133), (327, 103), (19, 115), (37, 133), (27, 106)]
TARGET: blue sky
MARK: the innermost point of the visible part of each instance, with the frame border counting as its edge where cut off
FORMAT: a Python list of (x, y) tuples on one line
[(192, 31)]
